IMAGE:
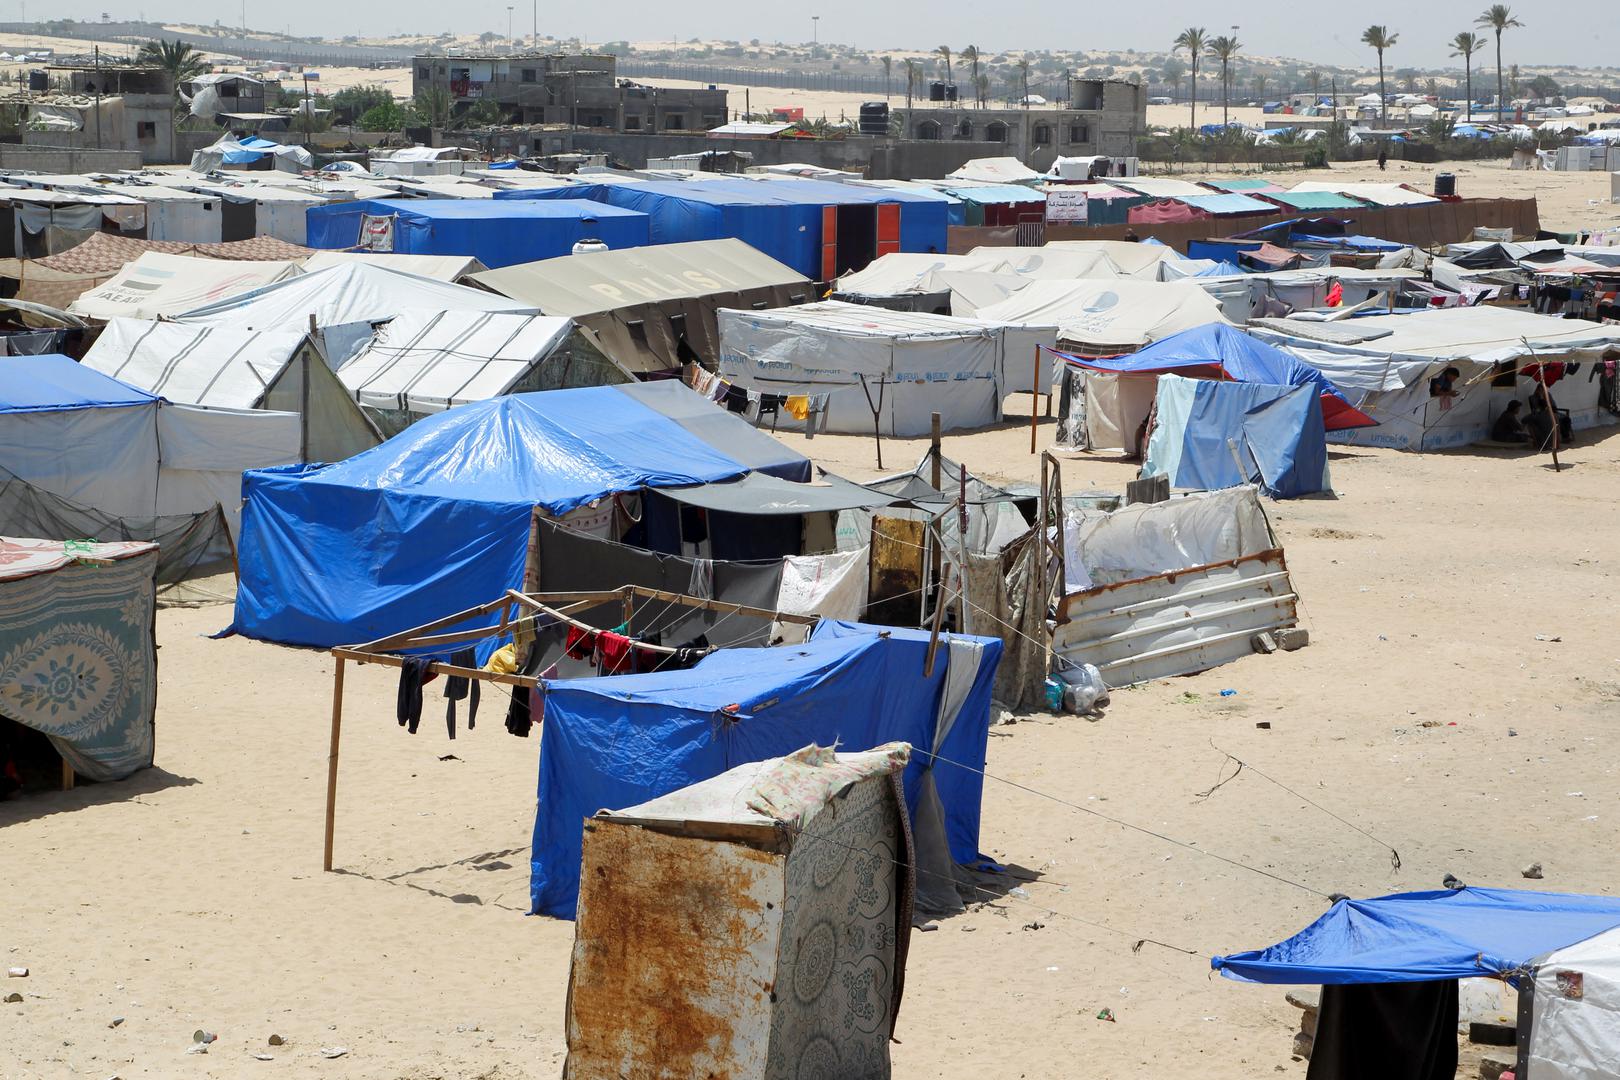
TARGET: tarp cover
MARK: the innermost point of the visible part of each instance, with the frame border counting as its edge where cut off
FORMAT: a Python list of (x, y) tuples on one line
[(215, 366), (1205, 429), (496, 233), (159, 284), (1107, 316), (415, 528), (1237, 356), (609, 743), (438, 267), (1420, 936)]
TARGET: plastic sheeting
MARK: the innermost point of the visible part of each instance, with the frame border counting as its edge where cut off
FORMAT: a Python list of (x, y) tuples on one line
[(409, 531), (495, 232), (1423, 936), (924, 363), (158, 284), (451, 268), (616, 742), (1212, 435), (1144, 539), (1576, 1012), (1107, 317)]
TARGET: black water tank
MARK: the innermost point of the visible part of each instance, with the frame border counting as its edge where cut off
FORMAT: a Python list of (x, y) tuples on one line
[(39, 81), (1445, 185), (950, 91), (875, 118), (936, 91)]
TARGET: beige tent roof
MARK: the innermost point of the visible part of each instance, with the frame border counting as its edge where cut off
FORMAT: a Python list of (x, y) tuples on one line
[(158, 284), (439, 267), (1122, 314), (579, 285)]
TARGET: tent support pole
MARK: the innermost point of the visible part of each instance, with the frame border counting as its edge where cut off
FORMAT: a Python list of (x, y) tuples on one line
[(1035, 391), (332, 760)]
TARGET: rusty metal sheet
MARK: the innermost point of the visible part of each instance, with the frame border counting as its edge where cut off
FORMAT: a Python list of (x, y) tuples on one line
[(895, 595), (675, 954), (1177, 623)]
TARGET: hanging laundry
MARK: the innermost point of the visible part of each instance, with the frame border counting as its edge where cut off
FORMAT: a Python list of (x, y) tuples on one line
[(613, 653), (459, 688), (503, 661), (580, 644), (413, 674), (797, 406)]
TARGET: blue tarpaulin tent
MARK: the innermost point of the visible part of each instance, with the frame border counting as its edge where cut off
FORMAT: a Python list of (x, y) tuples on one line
[(783, 219), (1211, 435), (609, 743), (1423, 936), (495, 233), (437, 518), (1224, 352)]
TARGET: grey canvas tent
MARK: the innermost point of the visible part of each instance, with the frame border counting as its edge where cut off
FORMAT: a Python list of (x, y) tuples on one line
[(653, 308)]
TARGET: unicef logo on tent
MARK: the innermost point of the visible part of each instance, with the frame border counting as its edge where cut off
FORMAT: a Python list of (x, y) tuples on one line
[(1102, 303)]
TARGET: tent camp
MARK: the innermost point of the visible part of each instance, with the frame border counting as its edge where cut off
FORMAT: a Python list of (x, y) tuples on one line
[(1389, 968), (653, 308), (1210, 434), (58, 279), (250, 153), (915, 364), (617, 742), (1106, 400), (423, 362), (453, 268), (261, 210), (345, 303), (77, 656), (36, 223), (404, 533), (1139, 261), (159, 284), (999, 170), (86, 455), (496, 233), (1384, 363), (221, 367)]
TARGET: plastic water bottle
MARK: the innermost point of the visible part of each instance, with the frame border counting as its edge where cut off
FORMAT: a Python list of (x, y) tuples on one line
[(1054, 695)]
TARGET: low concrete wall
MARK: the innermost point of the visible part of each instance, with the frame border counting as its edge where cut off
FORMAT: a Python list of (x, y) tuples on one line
[(66, 159)]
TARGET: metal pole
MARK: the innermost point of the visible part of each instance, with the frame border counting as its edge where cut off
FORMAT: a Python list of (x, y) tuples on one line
[(98, 97)]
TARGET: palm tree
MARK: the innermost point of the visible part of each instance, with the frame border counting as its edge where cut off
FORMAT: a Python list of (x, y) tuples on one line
[(1314, 81), (1260, 86), (1223, 48), (180, 62), (1498, 18), (970, 53), (1379, 38), (1466, 45), (888, 71), (1191, 39), (1023, 78), (1174, 79), (981, 87), (912, 73), (945, 51)]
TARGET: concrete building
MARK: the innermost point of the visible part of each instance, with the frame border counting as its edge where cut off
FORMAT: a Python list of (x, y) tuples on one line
[(109, 108), (574, 89), (1103, 116)]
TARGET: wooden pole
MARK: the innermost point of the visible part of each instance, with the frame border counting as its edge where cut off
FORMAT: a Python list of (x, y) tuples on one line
[(1035, 384), (939, 600), (67, 775), (936, 477), (332, 760), (1546, 399)]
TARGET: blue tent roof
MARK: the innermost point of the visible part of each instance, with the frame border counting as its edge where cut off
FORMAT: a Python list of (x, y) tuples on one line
[(495, 233), (408, 531), (616, 742), (1420, 936), (54, 383), (1212, 434), (1241, 357), (998, 194)]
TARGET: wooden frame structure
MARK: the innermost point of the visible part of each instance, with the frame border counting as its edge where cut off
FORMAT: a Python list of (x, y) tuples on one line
[(551, 606)]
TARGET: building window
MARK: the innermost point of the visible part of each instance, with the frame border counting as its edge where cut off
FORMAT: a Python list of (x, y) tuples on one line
[(996, 132), (145, 129), (964, 129), (530, 75), (1079, 133), (1043, 135), (424, 74), (674, 122), (632, 123), (928, 129)]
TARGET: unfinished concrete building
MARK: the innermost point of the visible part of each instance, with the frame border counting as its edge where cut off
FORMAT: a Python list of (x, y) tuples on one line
[(1102, 116)]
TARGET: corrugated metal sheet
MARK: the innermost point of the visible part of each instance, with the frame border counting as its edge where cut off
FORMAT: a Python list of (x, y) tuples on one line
[(1177, 623)]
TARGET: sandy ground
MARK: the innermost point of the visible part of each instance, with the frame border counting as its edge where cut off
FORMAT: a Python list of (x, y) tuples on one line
[(1428, 711)]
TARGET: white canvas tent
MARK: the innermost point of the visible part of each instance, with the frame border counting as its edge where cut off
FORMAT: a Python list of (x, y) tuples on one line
[(345, 303), (924, 364), (424, 362), (1132, 260), (439, 267), (999, 170), (158, 284), (1104, 318), (1575, 997), (222, 367), (419, 161), (1383, 364)]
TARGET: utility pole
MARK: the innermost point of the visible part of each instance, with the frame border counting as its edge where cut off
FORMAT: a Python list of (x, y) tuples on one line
[(98, 97), (309, 119), (511, 46), (815, 29), (536, 25)]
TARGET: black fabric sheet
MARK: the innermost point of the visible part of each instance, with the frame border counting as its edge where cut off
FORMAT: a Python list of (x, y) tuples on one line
[(1391, 1031)]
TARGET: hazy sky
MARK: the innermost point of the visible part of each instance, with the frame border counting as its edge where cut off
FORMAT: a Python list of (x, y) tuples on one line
[(1574, 32)]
